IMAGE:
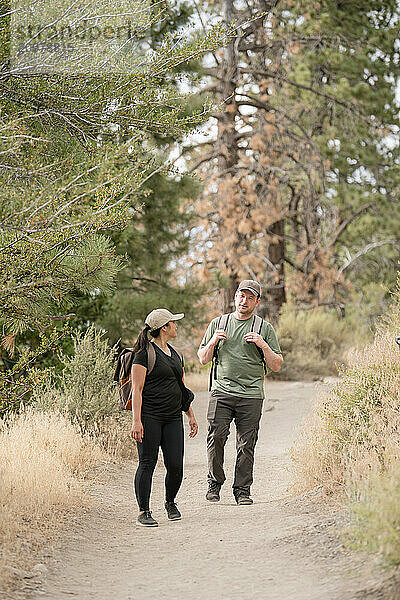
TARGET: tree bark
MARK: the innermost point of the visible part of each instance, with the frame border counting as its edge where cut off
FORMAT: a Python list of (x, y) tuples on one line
[(227, 148)]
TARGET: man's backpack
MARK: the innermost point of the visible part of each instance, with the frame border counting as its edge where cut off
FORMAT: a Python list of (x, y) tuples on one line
[(123, 373), (223, 321)]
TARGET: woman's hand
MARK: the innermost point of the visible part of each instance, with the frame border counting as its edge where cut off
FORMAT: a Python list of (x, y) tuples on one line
[(194, 428), (137, 431)]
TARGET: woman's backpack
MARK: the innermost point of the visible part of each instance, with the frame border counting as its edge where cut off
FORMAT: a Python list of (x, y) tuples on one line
[(123, 373)]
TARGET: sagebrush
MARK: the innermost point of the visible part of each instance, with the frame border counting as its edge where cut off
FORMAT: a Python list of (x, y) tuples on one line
[(85, 389), (313, 343), (86, 392), (351, 446)]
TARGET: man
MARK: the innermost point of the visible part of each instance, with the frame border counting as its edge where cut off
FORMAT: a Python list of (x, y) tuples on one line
[(238, 388)]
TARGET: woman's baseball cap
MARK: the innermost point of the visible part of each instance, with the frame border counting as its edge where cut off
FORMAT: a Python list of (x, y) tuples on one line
[(161, 316)]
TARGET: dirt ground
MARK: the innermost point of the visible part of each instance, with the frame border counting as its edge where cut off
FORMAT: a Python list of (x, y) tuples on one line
[(281, 548)]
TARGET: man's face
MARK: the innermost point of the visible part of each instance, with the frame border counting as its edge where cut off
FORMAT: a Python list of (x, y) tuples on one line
[(245, 302)]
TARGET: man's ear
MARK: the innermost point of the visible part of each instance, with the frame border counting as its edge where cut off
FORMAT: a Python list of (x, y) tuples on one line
[(258, 301)]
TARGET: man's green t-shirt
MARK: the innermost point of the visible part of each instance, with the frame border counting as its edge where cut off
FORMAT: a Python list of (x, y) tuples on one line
[(240, 370)]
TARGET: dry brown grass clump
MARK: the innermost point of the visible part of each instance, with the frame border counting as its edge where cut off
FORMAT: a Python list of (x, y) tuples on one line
[(43, 459), (355, 428), (376, 515), (113, 435)]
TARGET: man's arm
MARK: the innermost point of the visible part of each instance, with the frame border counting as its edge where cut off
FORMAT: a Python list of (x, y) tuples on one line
[(205, 353), (273, 359)]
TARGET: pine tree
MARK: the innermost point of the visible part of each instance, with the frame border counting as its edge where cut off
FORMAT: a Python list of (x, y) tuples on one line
[(154, 244), (302, 176), (74, 163)]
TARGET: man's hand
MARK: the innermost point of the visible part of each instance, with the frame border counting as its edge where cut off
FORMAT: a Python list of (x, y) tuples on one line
[(274, 361), (137, 431), (205, 353), (220, 334), (256, 338)]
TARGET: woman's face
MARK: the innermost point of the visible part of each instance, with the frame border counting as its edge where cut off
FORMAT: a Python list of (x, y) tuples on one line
[(171, 329)]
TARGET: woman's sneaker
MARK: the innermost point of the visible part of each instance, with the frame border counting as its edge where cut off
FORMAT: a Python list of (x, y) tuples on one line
[(146, 519), (172, 511)]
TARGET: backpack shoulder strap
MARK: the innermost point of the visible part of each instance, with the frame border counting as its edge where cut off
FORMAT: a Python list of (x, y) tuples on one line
[(221, 324), (223, 321), (256, 327), (178, 353), (257, 324), (151, 358)]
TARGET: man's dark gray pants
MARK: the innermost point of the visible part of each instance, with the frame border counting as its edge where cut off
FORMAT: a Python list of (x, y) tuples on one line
[(246, 412)]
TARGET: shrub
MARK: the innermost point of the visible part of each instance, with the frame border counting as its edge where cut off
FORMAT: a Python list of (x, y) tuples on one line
[(355, 428), (85, 389), (352, 444), (377, 516), (312, 342)]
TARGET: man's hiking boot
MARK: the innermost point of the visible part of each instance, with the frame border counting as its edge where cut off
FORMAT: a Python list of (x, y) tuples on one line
[(242, 499), (172, 511), (213, 492), (146, 519)]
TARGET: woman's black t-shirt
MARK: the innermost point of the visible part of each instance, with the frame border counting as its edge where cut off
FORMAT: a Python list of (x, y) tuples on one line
[(161, 395)]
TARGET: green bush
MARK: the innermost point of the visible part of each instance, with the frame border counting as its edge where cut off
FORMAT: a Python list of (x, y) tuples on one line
[(352, 445), (376, 516), (356, 423), (85, 389), (312, 342)]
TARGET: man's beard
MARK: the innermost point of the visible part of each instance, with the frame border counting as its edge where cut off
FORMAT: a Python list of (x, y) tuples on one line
[(244, 311)]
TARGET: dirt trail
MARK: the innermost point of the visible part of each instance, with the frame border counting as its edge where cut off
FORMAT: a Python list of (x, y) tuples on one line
[(280, 548)]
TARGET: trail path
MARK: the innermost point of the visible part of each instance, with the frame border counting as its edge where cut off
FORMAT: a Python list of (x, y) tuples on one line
[(281, 548)]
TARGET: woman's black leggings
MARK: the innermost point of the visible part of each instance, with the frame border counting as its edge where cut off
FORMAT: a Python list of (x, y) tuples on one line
[(170, 437)]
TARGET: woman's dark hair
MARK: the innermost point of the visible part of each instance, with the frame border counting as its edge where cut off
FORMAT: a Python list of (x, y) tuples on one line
[(143, 341)]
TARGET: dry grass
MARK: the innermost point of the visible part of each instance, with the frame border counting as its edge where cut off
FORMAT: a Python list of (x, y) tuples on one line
[(376, 516), (355, 428), (351, 446), (113, 435), (43, 460)]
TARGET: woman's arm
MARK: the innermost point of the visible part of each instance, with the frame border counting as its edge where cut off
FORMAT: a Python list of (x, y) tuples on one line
[(192, 422), (138, 378), (190, 414)]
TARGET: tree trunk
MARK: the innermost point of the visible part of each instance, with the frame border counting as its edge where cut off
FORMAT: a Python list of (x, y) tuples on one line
[(275, 294), (226, 297), (226, 141)]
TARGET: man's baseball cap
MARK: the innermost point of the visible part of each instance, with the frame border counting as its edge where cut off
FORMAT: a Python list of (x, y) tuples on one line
[(251, 285), (161, 316)]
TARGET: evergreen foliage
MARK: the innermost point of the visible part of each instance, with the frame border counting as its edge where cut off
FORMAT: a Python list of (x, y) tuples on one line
[(303, 174), (74, 160), (85, 389), (154, 245)]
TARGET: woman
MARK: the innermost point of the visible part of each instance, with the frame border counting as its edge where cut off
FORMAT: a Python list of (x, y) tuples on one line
[(157, 412)]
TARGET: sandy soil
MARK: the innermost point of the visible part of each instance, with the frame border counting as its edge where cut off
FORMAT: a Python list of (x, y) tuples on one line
[(281, 548)]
